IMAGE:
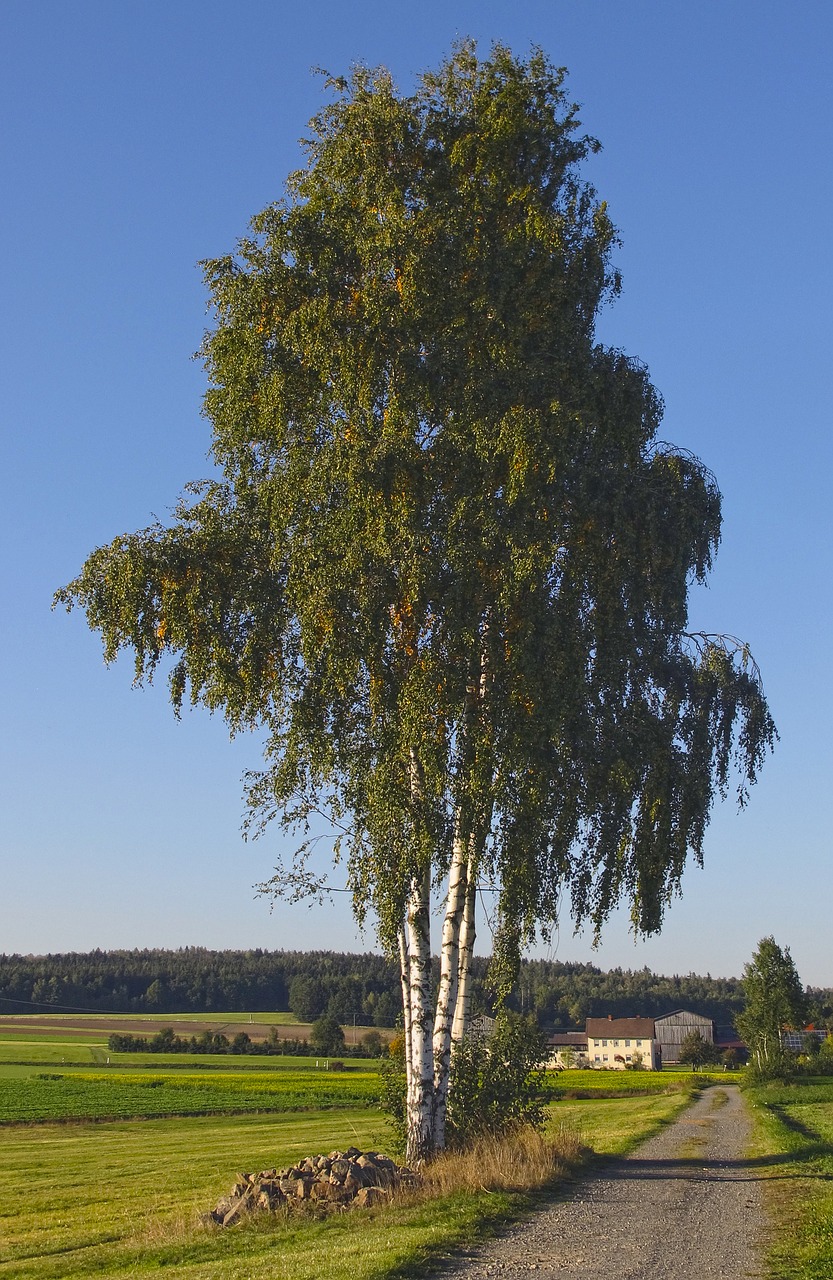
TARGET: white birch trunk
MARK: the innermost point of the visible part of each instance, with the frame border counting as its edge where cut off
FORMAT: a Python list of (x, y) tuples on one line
[(420, 1139), (462, 1008), (447, 989), (462, 1004), (406, 998)]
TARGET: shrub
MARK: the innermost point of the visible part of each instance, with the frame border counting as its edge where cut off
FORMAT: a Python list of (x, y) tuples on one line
[(372, 1044), (497, 1084), (393, 1090), (780, 1065)]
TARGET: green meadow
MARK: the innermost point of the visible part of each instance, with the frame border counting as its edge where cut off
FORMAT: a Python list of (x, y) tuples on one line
[(105, 1171), (794, 1151)]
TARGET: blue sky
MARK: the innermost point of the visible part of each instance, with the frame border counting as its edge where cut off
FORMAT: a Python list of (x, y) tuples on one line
[(140, 138)]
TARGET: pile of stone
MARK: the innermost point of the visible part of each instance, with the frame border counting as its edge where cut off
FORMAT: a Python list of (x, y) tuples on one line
[(336, 1181)]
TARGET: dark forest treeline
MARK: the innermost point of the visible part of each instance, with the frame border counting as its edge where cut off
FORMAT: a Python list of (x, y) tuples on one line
[(348, 986), (196, 980)]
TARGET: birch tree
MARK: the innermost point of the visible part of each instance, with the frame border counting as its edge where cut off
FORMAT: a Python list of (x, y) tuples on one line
[(775, 1000), (446, 566)]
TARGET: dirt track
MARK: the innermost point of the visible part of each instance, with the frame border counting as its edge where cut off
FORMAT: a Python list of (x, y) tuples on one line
[(685, 1205)]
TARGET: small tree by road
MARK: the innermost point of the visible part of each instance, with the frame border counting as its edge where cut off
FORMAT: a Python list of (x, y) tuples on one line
[(775, 999), (696, 1051)]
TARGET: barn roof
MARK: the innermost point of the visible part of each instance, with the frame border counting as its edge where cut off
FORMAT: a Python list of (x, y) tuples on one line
[(675, 1013)]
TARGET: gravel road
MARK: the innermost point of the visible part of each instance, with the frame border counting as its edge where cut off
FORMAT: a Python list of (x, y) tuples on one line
[(684, 1206)]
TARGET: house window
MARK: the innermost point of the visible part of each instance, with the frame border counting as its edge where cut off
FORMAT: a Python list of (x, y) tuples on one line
[(628, 1056), (597, 1058), (639, 1044), (605, 1057), (604, 1044), (616, 1044), (627, 1044)]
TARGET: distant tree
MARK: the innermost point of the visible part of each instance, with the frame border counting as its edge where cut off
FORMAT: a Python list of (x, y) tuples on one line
[(775, 999), (155, 996), (307, 999), (327, 1035), (387, 1010), (163, 1041), (823, 1062), (372, 1043), (695, 1050)]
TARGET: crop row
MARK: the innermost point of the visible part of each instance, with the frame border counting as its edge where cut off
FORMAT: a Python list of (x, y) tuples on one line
[(110, 1096)]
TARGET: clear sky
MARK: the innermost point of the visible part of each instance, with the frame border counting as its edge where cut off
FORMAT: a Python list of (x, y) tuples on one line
[(139, 137)]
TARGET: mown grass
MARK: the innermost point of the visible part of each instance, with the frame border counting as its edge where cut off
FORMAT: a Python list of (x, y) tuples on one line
[(794, 1150), (119, 1198), (123, 1199), (614, 1126), (594, 1084)]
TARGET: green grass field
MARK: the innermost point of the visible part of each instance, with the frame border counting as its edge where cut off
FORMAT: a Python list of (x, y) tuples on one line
[(123, 1199), (114, 1198), (795, 1153), (594, 1084)]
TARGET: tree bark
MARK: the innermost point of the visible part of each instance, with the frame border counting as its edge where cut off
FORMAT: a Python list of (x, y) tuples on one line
[(462, 1008), (420, 1071), (406, 996), (449, 977)]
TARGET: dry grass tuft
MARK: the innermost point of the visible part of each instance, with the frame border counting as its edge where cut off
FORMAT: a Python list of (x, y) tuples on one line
[(520, 1161), (523, 1160)]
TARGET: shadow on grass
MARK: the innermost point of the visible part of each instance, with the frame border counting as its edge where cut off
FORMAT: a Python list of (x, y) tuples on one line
[(803, 1130), (699, 1169)]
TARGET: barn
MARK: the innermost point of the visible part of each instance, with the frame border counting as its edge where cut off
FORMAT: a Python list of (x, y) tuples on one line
[(672, 1028)]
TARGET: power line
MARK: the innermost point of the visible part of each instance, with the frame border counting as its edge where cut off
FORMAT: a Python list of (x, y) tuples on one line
[(46, 1004)]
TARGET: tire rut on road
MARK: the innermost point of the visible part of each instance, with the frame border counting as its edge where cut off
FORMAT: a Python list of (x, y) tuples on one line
[(685, 1205)]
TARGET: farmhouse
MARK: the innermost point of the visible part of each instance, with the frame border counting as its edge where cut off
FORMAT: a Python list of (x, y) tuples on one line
[(618, 1043), (567, 1049), (483, 1026)]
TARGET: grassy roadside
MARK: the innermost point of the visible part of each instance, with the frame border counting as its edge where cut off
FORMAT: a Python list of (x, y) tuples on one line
[(611, 1126), (794, 1152), (123, 1199)]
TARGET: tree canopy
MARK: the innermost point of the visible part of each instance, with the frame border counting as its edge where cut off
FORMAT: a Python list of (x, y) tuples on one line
[(775, 1000), (447, 565), (696, 1051)]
